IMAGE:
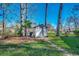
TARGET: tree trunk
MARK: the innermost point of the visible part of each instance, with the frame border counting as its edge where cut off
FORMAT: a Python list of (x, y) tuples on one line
[(59, 20), (4, 8), (23, 17), (46, 7), (46, 14), (75, 22)]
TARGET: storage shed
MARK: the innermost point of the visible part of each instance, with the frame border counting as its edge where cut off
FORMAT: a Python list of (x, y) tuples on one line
[(40, 31)]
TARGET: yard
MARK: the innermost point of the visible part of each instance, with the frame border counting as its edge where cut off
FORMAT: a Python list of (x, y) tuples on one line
[(33, 48), (17, 47), (69, 43)]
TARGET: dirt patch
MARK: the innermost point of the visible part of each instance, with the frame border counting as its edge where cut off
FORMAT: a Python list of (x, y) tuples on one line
[(18, 40)]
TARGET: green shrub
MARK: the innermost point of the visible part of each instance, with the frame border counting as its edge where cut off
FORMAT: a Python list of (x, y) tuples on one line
[(18, 32), (76, 32)]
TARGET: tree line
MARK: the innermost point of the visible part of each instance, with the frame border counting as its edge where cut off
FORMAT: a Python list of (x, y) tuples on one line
[(24, 23)]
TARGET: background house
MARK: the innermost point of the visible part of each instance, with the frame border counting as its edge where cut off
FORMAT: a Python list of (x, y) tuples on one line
[(50, 27)]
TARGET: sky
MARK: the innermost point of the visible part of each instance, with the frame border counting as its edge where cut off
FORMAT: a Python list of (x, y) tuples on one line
[(36, 13)]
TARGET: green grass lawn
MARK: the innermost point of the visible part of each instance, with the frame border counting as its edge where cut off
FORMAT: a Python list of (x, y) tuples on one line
[(70, 43), (38, 48), (73, 43), (42, 48)]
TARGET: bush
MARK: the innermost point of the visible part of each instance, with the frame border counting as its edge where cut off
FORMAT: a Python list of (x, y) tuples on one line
[(76, 32), (18, 32)]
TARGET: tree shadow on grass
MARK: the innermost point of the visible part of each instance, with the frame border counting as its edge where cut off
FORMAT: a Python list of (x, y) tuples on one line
[(73, 43), (26, 50)]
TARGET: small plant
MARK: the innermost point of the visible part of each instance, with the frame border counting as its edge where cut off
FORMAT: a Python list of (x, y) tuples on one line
[(18, 32), (27, 24)]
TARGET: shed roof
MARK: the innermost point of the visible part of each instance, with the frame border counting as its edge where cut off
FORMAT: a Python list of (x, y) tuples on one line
[(41, 25)]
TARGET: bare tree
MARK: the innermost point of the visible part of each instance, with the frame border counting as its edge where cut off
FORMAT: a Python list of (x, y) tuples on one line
[(75, 14)]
